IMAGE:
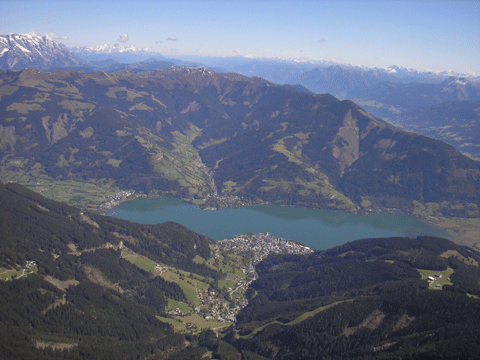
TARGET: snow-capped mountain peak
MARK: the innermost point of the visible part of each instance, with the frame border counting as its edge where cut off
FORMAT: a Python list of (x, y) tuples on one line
[(18, 51), (112, 49)]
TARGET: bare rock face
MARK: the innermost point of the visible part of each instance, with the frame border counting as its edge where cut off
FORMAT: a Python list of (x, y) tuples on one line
[(19, 51)]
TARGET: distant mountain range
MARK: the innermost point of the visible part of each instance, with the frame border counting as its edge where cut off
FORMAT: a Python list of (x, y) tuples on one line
[(20, 51), (112, 49), (339, 81), (118, 52), (25, 48), (387, 98)]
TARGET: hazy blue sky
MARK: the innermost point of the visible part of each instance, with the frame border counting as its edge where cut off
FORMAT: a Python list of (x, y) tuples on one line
[(437, 35)]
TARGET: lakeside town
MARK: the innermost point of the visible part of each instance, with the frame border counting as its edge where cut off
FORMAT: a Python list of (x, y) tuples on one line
[(261, 245)]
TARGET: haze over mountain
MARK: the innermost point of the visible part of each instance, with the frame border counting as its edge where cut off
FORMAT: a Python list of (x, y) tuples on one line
[(279, 70), (339, 81), (118, 52), (388, 98), (457, 123)]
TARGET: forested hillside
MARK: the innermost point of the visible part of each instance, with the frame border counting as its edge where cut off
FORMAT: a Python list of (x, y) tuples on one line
[(79, 285), (65, 285), (366, 299)]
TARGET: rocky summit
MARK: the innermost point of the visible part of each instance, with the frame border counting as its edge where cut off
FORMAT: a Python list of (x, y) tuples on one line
[(19, 51)]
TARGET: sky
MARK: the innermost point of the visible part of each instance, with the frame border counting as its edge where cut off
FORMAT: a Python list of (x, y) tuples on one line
[(435, 35)]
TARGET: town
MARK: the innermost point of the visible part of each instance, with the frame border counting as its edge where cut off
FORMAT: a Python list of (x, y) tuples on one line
[(221, 302), (261, 245)]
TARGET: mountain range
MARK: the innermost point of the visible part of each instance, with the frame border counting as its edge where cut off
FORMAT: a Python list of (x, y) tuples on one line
[(216, 137), (26, 47), (388, 98)]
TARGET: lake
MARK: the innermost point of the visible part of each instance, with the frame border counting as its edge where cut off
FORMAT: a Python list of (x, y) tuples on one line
[(318, 229)]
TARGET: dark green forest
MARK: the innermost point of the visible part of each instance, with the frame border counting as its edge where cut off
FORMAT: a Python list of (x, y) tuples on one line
[(106, 316), (379, 305), (366, 299)]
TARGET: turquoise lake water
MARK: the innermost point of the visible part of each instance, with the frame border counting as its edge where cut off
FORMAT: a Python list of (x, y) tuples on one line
[(318, 229)]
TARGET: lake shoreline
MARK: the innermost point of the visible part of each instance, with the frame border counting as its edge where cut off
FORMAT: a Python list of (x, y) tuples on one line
[(317, 228), (463, 231)]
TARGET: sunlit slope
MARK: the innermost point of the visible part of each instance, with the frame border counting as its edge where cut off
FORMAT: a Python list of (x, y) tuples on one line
[(194, 134)]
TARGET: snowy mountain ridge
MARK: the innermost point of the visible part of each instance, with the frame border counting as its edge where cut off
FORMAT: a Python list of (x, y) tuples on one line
[(18, 51), (112, 49)]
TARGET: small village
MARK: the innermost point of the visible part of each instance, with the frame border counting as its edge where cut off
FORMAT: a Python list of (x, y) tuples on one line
[(116, 199)]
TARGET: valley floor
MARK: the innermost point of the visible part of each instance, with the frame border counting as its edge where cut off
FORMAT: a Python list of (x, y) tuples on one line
[(463, 231)]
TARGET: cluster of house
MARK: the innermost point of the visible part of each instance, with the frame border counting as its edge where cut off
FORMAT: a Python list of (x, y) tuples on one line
[(218, 308), (432, 279), (28, 269), (29, 265), (112, 200), (262, 245), (160, 268), (254, 248), (221, 310), (230, 201), (258, 246)]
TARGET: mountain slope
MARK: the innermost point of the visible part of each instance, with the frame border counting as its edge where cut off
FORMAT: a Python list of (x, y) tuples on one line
[(195, 134), (67, 291), (338, 80), (318, 150)]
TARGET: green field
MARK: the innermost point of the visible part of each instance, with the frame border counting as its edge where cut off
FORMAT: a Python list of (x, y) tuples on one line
[(190, 292), (197, 322), (145, 264), (230, 264), (140, 261), (89, 195), (200, 323), (9, 273), (315, 312), (185, 280), (173, 304), (177, 325), (441, 280)]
